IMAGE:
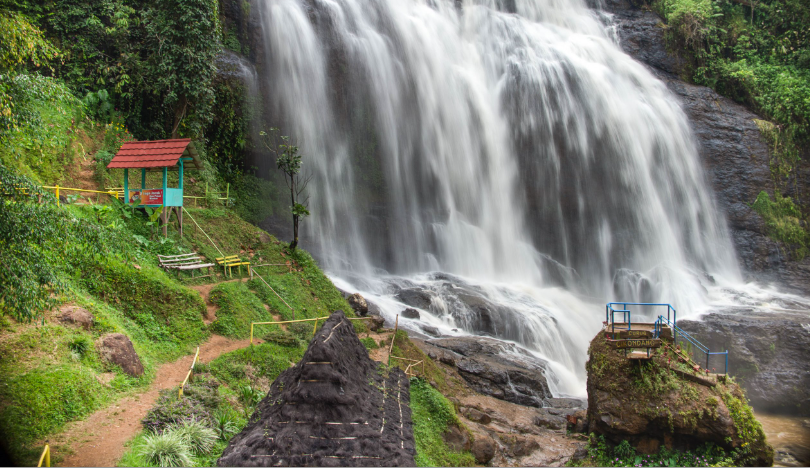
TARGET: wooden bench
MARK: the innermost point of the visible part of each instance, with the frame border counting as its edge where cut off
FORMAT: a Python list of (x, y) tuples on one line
[(233, 261), (191, 261)]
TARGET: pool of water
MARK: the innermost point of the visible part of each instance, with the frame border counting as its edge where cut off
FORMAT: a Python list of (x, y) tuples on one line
[(789, 436)]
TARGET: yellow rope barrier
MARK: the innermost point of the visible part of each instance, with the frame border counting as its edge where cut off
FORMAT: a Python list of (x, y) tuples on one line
[(188, 376), (297, 321)]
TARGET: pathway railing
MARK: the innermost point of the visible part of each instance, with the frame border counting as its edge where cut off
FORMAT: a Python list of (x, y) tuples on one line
[(692, 342), (613, 308)]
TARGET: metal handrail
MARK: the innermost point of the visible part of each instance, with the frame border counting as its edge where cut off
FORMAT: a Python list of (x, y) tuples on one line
[(690, 339), (610, 311)]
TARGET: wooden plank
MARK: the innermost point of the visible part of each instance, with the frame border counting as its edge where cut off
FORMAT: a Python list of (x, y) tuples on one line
[(623, 344), (196, 267), (642, 355), (192, 254), (182, 262)]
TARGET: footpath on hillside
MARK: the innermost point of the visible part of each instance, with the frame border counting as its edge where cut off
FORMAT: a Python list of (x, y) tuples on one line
[(99, 440)]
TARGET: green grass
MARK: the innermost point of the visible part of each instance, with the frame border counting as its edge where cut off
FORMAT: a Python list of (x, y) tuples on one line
[(265, 360), (432, 416), (238, 307)]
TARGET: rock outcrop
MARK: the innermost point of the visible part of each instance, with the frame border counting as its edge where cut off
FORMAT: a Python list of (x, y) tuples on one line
[(769, 354), (117, 349), (650, 404), (78, 317), (493, 367), (336, 407)]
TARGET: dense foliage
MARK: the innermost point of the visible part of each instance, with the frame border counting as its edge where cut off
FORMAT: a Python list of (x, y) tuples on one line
[(757, 53)]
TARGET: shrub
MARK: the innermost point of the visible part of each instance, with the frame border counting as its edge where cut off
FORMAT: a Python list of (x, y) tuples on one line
[(199, 437), (369, 343), (433, 414), (167, 449), (225, 423), (282, 338), (80, 345)]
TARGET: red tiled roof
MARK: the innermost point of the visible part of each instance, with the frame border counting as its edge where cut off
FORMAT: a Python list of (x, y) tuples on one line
[(158, 153)]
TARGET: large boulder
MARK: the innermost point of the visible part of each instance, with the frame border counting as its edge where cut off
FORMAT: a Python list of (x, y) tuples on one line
[(493, 367), (650, 404), (78, 317), (117, 349), (769, 354), (358, 304), (415, 297), (336, 407)]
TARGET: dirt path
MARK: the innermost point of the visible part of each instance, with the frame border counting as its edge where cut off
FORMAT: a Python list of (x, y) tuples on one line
[(99, 439), (205, 292)]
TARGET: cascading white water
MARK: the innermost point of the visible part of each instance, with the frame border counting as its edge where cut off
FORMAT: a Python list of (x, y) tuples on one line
[(508, 143)]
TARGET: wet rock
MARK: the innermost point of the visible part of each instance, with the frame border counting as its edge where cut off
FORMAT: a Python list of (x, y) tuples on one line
[(769, 355), (457, 439), (493, 367), (483, 449), (410, 313), (518, 445), (415, 297), (373, 309), (375, 323), (568, 403), (77, 317), (550, 421), (432, 331), (116, 348), (475, 415), (358, 304)]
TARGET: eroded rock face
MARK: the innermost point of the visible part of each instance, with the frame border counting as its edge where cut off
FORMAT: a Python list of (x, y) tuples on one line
[(493, 367), (116, 348), (769, 354)]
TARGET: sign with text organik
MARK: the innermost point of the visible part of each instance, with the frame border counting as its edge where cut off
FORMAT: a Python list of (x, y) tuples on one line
[(147, 197)]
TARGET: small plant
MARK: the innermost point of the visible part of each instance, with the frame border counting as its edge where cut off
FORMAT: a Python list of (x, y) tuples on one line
[(225, 423), (198, 436), (250, 396), (167, 449), (80, 345), (369, 343)]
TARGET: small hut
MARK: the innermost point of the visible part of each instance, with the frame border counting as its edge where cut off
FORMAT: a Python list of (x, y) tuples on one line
[(152, 156)]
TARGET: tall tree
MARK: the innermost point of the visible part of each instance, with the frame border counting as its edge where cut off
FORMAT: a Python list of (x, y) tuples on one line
[(183, 38), (288, 159)]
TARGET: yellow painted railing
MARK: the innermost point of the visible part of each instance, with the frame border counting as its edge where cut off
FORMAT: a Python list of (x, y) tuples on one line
[(57, 188), (190, 371), (46, 456), (314, 328)]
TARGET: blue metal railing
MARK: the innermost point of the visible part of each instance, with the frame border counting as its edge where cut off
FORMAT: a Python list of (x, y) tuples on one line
[(610, 312), (677, 332)]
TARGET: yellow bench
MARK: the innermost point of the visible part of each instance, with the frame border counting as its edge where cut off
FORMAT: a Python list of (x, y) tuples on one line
[(233, 261)]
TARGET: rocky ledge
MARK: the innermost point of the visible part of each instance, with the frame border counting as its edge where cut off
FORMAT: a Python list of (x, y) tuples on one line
[(659, 402), (493, 367), (769, 354)]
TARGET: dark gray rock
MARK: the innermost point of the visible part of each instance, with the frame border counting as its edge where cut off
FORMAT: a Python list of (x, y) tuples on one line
[(493, 367), (375, 322), (117, 349), (769, 354), (475, 415), (414, 297), (432, 331), (411, 313), (358, 304), (550, 421)]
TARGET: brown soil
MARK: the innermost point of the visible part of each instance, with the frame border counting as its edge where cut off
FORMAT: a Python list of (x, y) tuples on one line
[(99, 439), (205, 292)]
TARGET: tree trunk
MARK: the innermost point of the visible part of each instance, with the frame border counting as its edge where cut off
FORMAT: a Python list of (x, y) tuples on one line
[(294, 243), (179, 113)]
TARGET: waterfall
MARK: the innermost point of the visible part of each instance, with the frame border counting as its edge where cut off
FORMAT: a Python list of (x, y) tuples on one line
[(503, 157)]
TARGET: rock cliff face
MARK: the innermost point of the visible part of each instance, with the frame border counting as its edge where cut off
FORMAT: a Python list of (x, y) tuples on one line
[(731, 146), (769, 354)]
